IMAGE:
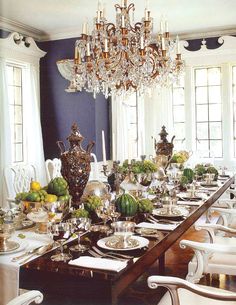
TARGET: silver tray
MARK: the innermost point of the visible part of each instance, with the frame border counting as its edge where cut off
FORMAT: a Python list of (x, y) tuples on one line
[(172, 211)]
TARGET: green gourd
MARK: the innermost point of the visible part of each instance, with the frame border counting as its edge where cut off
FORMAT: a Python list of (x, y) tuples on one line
[(126, 204), (189, 173)]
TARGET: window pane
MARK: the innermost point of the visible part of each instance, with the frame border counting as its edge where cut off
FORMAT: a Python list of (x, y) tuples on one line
[(201, 95), (202, 113), (18, 152), (18, 133), (216, 148), (214, 94), (178, 113), (202, 131), (10, 76), (202, 146), (17, 76), (201, 77), (215, 130), (18, 100), (18, 115), (214, 76), (178, 96), (215, 112), (179, 130)]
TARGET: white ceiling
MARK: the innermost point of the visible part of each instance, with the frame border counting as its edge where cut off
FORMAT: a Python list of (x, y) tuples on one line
[(55, 19)]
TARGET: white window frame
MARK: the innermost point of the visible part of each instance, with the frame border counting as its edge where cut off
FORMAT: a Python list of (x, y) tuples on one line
[(223, 57)]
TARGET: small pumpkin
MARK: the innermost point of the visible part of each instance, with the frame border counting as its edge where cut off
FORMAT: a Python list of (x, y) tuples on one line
[(126, 204)]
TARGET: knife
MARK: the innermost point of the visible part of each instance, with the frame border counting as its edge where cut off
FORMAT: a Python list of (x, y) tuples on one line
[(16, 258)]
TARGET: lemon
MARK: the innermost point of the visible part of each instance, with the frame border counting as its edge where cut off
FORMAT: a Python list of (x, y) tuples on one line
[(35, 186), (50, 198)]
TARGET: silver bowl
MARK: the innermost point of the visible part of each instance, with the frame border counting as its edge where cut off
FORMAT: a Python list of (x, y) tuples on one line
[(97, 188), (123, 227)]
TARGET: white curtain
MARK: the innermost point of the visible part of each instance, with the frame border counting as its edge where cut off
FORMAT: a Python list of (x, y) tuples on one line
[(5, 131), (119, 129), (32, 124), (158, 112)]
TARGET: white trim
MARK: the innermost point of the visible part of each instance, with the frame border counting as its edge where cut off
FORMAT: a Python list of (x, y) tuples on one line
[(223, 57), (14, 26), (15, 48), (75, 32)]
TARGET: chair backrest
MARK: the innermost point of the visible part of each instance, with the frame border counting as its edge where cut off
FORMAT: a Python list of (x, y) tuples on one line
[(94, 174), (18, 178), (27, 298), (53, 168)]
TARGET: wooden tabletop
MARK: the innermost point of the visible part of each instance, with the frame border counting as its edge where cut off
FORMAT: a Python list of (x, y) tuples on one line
[(103, 287)]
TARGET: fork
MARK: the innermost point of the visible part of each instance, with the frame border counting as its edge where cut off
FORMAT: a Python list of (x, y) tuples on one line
[(112, 253), (95, 254), (164, 221)]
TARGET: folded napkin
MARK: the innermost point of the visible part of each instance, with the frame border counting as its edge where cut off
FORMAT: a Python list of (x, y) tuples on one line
[(158, 226), (188, 202), (98, 263)]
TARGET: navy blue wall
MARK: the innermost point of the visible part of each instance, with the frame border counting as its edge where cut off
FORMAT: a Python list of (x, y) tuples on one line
[(60, 109)]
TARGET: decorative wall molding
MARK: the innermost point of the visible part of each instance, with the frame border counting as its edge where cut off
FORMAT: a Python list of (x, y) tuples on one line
[(225, 53), (14, 26), (20, 48)]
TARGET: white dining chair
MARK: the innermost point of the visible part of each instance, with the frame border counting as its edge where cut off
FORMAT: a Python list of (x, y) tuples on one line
[(210, 258), (181, 292), (53, 168), (17, 178), (27, 298)]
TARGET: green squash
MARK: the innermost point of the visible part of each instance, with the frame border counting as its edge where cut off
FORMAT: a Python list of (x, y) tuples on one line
[(189, 174), (126, 204)]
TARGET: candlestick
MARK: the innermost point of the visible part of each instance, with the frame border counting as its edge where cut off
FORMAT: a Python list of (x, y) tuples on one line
[(141, 43), (88, 49), (113, 147), (122, 21), (106, 45), (161, 27), (166, 26), (122, 3), (84, 29), (146, 14), (103, 149), (98, 16), (177, 45), (76, 52), (163, 43)]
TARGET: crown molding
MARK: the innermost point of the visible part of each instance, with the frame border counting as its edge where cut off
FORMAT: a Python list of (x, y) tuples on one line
[(14, 26), (207, 34)]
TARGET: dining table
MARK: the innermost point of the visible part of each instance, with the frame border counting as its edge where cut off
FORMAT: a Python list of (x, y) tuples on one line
[(101, 280)]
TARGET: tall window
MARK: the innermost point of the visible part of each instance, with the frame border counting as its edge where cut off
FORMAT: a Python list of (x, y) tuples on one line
[(234, 105), (178, 105), (208, 112), (14, 78)]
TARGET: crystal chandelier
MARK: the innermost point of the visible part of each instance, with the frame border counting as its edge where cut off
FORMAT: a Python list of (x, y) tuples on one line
[(123, 57)]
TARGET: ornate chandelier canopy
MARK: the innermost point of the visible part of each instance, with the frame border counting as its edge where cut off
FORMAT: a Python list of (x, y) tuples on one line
[(123, 57)]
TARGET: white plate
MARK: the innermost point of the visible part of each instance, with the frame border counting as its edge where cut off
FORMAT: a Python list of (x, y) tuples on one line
[(23, 245), (174, 212), (143, 242)]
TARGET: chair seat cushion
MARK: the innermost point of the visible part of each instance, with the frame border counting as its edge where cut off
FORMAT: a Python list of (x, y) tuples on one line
[(189, 298)]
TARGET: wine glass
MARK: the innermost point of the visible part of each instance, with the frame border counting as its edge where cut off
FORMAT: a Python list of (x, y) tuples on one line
[(81, 224), (114, 214), (61, 232)]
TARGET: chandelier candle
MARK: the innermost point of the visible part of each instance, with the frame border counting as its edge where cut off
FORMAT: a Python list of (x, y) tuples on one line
[(104, 149)]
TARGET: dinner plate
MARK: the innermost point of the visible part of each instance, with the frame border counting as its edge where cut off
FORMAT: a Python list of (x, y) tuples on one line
[(209, 185), (172, 211), (23, 245), (147, 232), (140, 242)]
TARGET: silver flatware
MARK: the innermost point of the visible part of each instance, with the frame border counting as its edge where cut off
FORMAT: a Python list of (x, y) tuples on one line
[(96, 254), (112, 253), (162, 221), (16, 258), (40, 251)]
